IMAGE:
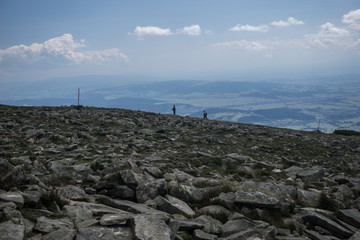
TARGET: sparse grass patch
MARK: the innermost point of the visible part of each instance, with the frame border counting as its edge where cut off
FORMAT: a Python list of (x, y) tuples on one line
[(186, 236)]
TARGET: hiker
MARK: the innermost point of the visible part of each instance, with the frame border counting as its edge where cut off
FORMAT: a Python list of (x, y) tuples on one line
[(174, 109), (205, 115)]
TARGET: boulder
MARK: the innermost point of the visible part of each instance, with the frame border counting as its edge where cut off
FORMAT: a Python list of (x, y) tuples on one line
[(122, 192), (14, 197), (96, 209), (216, 211), (11, 176), (78, 214), (211, 226), (192, 194), (201, 235), (350, 216), (11, 231), (47, 225), (256, 199), (116, 219), (173, 205), (147, 227), (356, 236), (61, 234), (316, 219), (313, 174), (71, 192), (151, 190), (104, 233), (235, 226), (131, 207), (187, 225), (132, 179), (309, 198)]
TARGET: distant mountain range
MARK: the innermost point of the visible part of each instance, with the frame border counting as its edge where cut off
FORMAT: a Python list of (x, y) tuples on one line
[(328, 104)]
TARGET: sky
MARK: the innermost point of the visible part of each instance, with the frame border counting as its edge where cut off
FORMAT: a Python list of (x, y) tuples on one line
[(188, 39)]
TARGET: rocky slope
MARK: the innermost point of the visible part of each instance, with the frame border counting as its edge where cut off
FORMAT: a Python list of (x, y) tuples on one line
[(92, 173)]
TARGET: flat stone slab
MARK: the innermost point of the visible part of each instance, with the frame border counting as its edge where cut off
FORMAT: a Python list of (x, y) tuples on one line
[(324, 222), (131, 207), (256, 199), (147, 228), (10, 231), (350, 216), (14, 197)]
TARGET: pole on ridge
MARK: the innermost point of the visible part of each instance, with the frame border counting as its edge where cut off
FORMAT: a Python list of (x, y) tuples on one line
[(78, 96)]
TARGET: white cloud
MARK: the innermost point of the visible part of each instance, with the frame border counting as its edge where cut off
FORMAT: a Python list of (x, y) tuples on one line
[(152, 31), (329, 35), (191, 30), (352, 17), (248, 28), (290, 21), (248, 45), (60, 50)]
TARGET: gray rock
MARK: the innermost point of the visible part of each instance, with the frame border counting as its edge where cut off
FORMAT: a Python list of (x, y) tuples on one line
[(317, 219), (316, 236), (11, 176), (104, 233), (187, 225), (61, 234), (215, 211), (33, 194), (192, 194), (201, 235), (350, 216), (227, 200), (356, 236), (151, 190), (97, 209), (47, 225), (122, 192), (71, 192), (173, 205), (131, 207), (28, 225), (256, 199), (11, 231), (14, 197), (235, 226), (313, 174), (266, 234), (211, 226), (309, 198), (147, 227), (132, 179), (116, 219), (154, 171), (78, 214)]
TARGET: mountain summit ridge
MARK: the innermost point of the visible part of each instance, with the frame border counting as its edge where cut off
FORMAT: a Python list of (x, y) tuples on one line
[(77, 172)]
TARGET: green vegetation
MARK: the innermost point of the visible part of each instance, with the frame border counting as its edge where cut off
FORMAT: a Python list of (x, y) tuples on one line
[(346, 132)]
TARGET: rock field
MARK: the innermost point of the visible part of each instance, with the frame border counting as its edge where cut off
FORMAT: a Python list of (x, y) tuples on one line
[(90, 173)]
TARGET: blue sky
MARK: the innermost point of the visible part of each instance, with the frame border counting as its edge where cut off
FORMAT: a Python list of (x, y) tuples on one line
[(201, 39)]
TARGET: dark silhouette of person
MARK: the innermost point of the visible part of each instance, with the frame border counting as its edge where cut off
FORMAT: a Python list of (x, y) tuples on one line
[(174, 109), (205, 115)]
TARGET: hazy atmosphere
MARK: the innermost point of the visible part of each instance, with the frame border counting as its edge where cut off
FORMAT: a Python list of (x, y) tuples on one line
[(49, 49)]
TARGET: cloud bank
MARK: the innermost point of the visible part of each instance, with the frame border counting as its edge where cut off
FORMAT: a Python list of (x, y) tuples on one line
[(59, 50), (290, 21), (248, 28), (140, 31)]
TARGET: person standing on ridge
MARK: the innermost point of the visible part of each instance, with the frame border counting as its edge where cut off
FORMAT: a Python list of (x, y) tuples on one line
[(174, 109), (205, 115)]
